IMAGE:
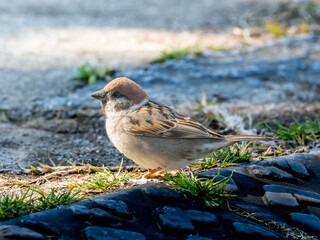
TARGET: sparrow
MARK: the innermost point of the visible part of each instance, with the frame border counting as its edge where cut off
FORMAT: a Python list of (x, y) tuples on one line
[(153, 135)]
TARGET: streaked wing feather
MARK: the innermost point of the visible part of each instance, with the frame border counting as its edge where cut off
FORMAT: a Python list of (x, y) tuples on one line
[(156, 120)]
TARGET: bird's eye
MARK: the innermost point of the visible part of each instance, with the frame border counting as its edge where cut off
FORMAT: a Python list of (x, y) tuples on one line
[(116, 94)]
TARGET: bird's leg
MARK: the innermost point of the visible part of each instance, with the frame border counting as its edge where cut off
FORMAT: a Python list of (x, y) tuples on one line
[(154, 173), (173, 172), (157, 173)]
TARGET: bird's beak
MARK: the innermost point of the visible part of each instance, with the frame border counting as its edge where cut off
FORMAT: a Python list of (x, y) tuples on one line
[(98, 95)]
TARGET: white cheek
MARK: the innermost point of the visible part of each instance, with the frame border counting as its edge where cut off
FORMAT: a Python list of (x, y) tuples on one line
[(106, 109), (110, 106)]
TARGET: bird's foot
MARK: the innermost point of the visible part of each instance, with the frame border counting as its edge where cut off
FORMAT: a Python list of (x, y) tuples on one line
[(154, 173), (158, 173)]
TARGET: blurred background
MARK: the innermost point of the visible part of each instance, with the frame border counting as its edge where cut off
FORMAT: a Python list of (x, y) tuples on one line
[(255, 60), (42, 42)]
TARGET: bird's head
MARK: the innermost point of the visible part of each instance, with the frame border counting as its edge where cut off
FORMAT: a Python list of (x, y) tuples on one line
[(119, 95)]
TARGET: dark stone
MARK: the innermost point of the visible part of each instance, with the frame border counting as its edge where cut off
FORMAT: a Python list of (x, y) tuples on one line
[(299, 170), (271, 173), (17, 233), (101, 215), (105, 233), (259, 171), (279, 162), (116, 207), (41, 227), (280, 175), (193, 237), (80, 211), (292, 164), (307, 221), (251, 231), (315, 151), (232, 189), (231, 185), (230, 182), (203, 218), (309, 198), (161, 192), (174, 219), (281, 200), (214, 172)]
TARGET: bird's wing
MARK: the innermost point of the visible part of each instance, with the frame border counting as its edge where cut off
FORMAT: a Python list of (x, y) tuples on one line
[(155, 120)]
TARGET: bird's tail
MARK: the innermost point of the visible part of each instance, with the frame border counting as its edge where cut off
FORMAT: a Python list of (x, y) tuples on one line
[(239, 138)]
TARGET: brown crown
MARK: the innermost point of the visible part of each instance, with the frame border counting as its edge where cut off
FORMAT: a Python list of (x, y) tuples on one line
[(128, 88)]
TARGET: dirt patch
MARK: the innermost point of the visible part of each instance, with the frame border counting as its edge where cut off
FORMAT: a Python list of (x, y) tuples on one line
[(281, 113), (62, 178), (57, 142)]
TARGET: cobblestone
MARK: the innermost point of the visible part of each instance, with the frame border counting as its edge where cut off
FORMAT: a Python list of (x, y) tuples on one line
[(101, 215), (41, 227), (311, 196), (193, 237), (174, 219), (116, 207), (153, 211), (306, 221), (290, 164), (160, 192), (203, 218), (271, 173), (19, 233), (102, 233), (80, 211), (250, 231), (281, 200), (231, 185), (312, 201)]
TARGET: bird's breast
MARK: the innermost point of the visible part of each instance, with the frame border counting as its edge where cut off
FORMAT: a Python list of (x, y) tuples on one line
[(116, 132)]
